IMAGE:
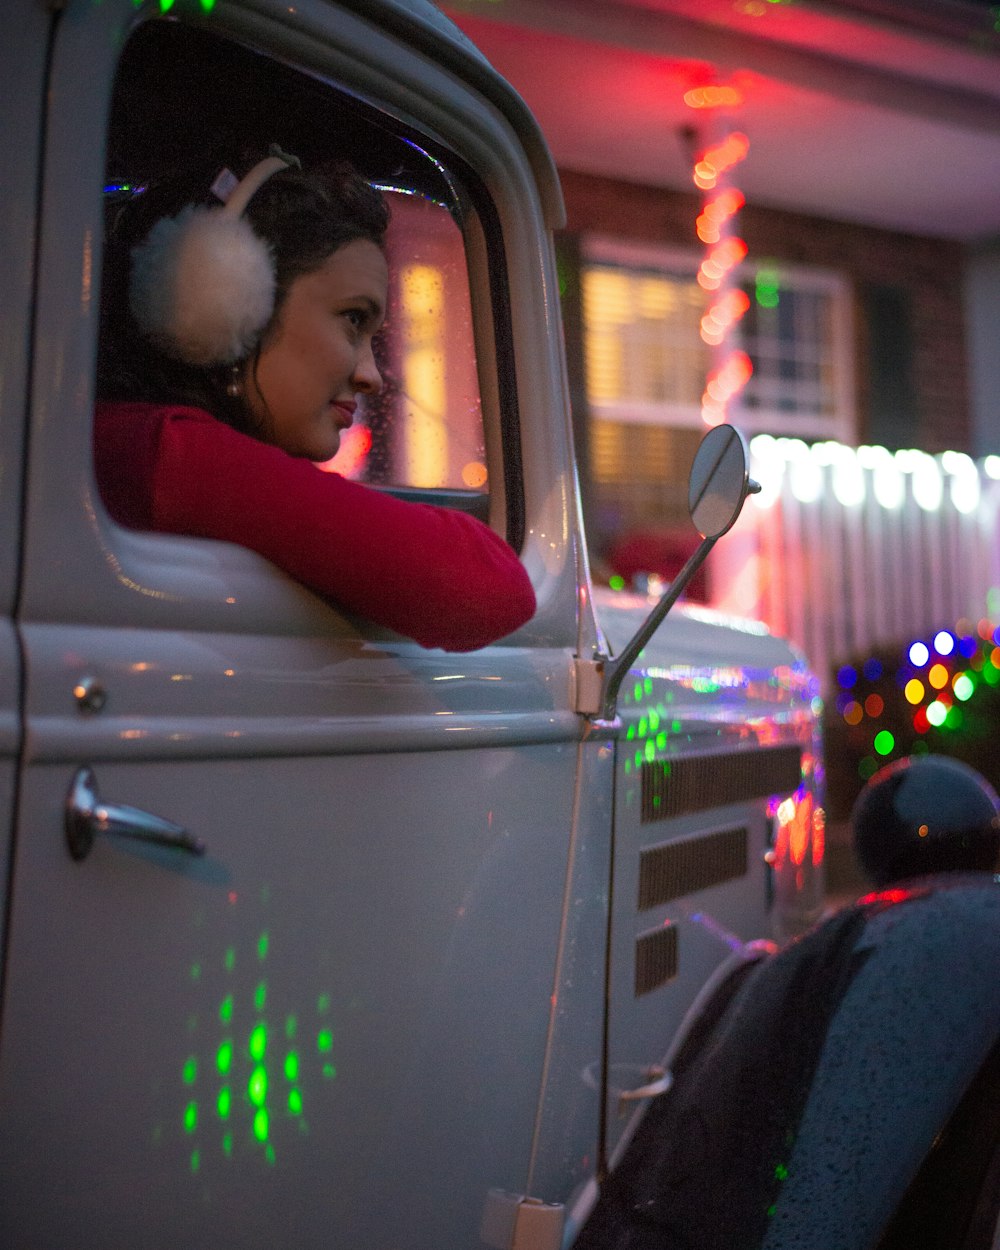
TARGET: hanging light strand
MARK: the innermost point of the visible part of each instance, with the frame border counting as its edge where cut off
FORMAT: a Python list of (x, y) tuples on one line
[(724, 252)]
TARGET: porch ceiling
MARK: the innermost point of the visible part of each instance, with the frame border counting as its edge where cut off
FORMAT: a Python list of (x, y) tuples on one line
[(851, 115)]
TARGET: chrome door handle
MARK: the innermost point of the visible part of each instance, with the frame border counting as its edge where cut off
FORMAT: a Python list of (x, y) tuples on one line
[(86, 816)]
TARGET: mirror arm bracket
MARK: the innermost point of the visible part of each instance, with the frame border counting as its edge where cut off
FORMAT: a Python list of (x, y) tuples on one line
[(616, 669)]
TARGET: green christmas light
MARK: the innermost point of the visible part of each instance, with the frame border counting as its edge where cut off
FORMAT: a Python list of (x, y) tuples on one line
[(884, 742), (766, 288)]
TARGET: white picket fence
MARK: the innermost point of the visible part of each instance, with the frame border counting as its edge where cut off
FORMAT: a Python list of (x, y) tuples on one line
[(846, 548)]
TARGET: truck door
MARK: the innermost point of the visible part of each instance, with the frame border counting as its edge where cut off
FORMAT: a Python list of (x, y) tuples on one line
[(22, 64), (330, 1028)]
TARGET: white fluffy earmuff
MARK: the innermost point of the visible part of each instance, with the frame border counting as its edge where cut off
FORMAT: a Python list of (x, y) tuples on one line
[(202, 283)]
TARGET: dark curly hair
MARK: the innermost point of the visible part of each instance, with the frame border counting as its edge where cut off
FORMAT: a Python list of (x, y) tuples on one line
[(304, 217)]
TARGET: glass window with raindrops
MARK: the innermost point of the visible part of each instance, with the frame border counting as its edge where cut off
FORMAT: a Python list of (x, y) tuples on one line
[(425, 429)]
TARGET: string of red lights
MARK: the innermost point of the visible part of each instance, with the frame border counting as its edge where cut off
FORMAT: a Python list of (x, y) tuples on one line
[(724, 252)]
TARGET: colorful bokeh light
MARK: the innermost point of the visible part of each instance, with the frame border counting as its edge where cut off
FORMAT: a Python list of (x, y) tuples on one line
[(938, 676), (884, 742), (935, 696), (936, 713), (944, 642), (854, 713)]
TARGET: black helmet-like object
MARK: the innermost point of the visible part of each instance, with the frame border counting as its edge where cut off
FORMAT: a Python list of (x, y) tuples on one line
[(922, 815)]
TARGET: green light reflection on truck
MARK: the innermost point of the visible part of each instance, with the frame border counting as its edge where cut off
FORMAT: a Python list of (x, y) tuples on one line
[(251, 1081)]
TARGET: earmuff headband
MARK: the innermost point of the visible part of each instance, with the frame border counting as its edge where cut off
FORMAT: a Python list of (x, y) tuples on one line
[(202, 283), (247, 187)]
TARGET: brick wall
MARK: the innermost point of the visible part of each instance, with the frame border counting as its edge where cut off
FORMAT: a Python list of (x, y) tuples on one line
[(926, 274)]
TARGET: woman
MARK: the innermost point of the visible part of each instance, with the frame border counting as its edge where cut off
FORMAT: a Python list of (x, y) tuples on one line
[(235, 342)]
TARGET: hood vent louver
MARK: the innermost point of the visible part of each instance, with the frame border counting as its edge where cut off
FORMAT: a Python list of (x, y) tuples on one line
[(695, 783)]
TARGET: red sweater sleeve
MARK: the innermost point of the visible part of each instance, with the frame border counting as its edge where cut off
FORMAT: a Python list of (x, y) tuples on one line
[(433, 574)]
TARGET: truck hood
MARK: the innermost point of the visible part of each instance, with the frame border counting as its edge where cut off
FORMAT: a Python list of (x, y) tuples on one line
[(693, 636)]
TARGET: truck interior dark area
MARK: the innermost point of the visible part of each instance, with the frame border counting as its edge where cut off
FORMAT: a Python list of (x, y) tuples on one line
[(189, 101), (182, 90)]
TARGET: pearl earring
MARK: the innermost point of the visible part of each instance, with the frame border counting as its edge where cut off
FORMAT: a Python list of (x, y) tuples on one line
[(234, 387)]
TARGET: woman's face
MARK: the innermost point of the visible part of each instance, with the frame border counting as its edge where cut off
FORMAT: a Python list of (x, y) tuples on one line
[(317, 357)]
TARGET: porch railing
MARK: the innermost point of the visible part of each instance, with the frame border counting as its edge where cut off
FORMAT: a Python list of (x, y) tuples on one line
[(847, 548)]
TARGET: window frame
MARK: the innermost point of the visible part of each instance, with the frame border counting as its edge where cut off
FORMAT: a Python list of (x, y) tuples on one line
[(502, 503)]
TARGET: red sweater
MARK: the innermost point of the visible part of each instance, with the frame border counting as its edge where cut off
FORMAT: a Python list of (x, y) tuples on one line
[(436, 575)]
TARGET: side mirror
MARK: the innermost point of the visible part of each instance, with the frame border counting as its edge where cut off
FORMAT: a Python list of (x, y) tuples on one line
[(719, 482), (717, 489)]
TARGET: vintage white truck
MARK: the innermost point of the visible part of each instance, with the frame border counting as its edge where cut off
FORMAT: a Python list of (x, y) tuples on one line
[(312, 937)]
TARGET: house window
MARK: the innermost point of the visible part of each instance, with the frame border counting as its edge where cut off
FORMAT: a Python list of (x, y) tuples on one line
[(642, 360), (646, 362)]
